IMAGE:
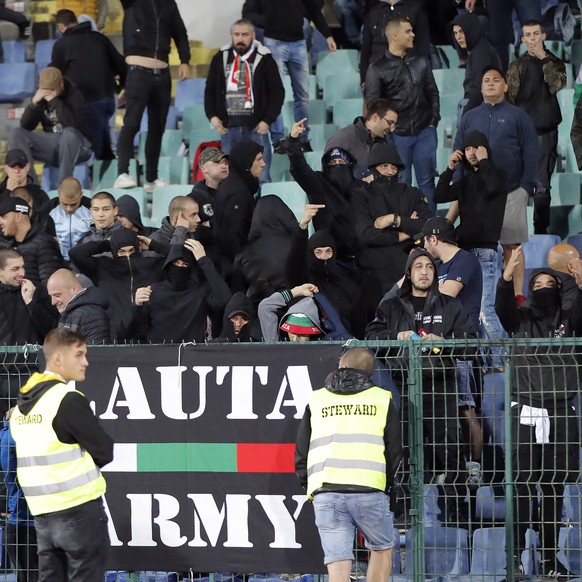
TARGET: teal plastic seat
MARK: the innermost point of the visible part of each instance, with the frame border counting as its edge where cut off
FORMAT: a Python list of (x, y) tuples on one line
[(162, 197), (346, 110), (565, 189), (105, 173), (198, 136), (171, 144), (344, 85), (449, 81), (339, 62), (139, 194), (316, 113), (319, 135), (193, 117), (174, 169)]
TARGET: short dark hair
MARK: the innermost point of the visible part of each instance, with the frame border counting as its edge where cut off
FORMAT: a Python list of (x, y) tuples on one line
[(381, 107), (178, 204), (394, 21), (105, 196), (24, 193), (359, 359), (59, 338), (66, 17), (533, 22), (6, 254), (243, 22)]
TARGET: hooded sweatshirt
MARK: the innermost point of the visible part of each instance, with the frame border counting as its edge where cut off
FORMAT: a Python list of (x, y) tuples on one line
[(481, 55), (128, 206), (234, 203), (536, 379), (482, 195), (240, 304)]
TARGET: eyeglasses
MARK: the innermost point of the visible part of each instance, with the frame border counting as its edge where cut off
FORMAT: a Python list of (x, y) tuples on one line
[(390, 122)]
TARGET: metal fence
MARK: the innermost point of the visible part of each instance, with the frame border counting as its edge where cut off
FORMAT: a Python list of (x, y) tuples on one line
[(489, 488)]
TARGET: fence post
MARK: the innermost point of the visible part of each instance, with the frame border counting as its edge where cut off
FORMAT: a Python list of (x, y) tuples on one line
[(508, 479), (415, 416)]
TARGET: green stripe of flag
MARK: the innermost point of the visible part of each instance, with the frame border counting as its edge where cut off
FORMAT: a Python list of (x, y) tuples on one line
[(186, 457)]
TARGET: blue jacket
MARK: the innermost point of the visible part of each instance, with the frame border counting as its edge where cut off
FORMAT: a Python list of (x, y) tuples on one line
[(512, 138), (17, 508)]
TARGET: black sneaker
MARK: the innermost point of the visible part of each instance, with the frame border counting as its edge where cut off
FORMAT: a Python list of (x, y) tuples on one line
[(306, 146), (280, 147)]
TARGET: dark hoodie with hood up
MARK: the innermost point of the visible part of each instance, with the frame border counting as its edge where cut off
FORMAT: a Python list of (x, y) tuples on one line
[(381, 251), (251, 332), (234, 203), (536, 379), (179, 305), (264, 258), (481, 55), (128, 207), (442, 315), (333, 187), (119, 277), (482, 195)]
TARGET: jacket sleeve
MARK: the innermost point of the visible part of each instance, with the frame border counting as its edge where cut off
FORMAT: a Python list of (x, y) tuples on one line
[(96, 326), (233, 234), (576, 134), (275, 90), (251, 10), (76, 423), (367, 234), (432, 94), (49, 258), (70, 109), (366, 51), (211, 87), (117, 61), (32, 116), (219, 291), (180, 36), (493, 179), (268, 314), (82, 257), (380, 328), (302, 447), (513, 82), (135, 322), (303, 173), (505, 306), (373, 89), (43, 315), (554, 73), (296, 258), (315, 14), (576, 314), (413, 226), (58, 57), (392, 444), (445, 191)]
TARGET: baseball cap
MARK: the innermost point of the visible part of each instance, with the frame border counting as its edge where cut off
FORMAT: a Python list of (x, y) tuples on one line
[(50, 78), (211, 155), (9, 204), (440, 226), (15, 157)]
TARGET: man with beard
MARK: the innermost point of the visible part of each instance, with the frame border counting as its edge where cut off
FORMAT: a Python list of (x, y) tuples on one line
[(387, 215), (178, 307), (234, 203), (332, 187), (545, 384), (244, 92)]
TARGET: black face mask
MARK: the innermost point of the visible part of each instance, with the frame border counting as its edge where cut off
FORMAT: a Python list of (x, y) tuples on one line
[(547, 298), (382, 180), (179, 277), (340, 175)]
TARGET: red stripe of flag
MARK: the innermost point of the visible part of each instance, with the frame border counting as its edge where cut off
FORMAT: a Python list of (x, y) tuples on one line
[(265, 458)]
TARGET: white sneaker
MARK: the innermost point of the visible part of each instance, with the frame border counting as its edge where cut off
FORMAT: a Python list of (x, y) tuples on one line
[(157, 183), (124, 181)]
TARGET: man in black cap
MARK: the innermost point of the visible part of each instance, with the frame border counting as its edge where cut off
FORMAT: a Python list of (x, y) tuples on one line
[(59, 108), (40, 250), (387, 215), (17, 168)]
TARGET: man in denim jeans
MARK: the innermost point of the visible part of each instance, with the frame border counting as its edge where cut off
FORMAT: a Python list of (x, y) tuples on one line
[(348, 451), (285, 39)]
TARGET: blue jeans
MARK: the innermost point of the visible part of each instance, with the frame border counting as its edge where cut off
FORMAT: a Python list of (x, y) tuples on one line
[(236, 134), (73, 543), (337, 515), (97, 115), (491, 326), (348, 13), (419, 151), (292, 59)]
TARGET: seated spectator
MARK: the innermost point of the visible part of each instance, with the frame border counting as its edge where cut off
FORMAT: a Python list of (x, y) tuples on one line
[(40, 251), (357, 139), (177, 308), (44, 221), (63, 141), (82, 309), (104, 213), (17, 169), (240, 321), (71, 214), (180, 224)]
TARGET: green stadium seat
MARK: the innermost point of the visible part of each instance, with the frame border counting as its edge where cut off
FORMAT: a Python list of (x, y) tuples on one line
[(442, 160), (171, 144), (314, 159), (18, 81), (290, 192), (189, 92), (193, 117), (346, 110), (341, 86), (105, 172), (316, 113), (198, 136), (449, 81), (280, 168), (450, 54), (565, 189), (339, 62), (139, 194), (174, 169), (319, 134), (162, 197), (450, 104)]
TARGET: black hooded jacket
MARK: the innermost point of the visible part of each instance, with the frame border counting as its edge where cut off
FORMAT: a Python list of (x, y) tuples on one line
[(234, 202), (86, 313), (118, 277), (481, 55), (482, 195), (128, 207), (263, 259), (251, 332), (332, 187), (536, 379), (180, 304)]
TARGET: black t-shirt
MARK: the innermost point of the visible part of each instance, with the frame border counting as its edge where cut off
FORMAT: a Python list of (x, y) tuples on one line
[(418, 306)]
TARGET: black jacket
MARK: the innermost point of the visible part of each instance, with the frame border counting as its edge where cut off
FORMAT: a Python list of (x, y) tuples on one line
[(284, 19), (251, 332), (332, 187), (409, 85), (41, 253), (118, 278), (481, 55), (350, 381), (374, 40), (86, 313), (69, 108), (90, 61), (481, 193), (21, 323), (380, 250), (268, 90), (150, 25), (39, 196)]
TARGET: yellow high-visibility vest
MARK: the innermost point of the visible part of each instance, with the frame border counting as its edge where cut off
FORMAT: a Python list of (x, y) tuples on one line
[(347, 439), (53, 475)]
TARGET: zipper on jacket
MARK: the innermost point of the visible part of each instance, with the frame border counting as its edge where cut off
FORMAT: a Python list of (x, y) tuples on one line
[(157, 29)]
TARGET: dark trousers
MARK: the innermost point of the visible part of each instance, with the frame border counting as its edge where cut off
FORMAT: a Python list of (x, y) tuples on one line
[(547, 143), (73, 544), (144, 89), (98, 114), (548, 466), (11, 16), (21, 546)]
